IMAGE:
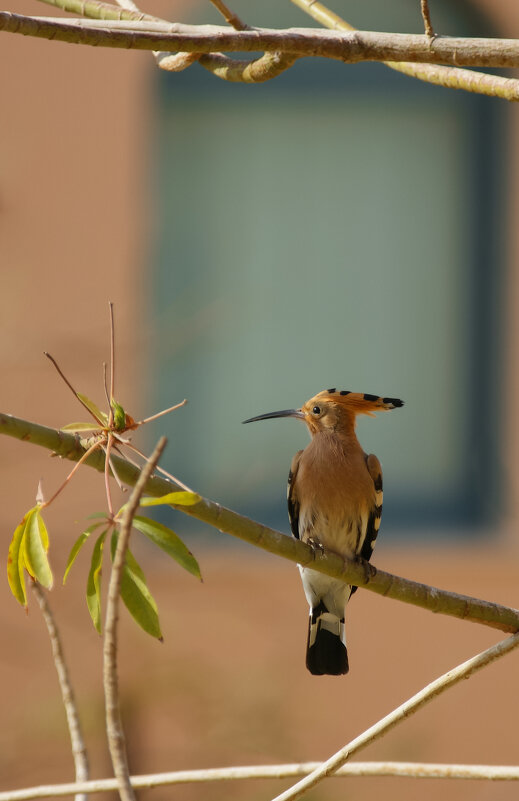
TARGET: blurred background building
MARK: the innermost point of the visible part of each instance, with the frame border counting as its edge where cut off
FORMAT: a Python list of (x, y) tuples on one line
[(343, 226)]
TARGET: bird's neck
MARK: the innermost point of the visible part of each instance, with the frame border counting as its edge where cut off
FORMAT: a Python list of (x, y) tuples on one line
[(340, 440)]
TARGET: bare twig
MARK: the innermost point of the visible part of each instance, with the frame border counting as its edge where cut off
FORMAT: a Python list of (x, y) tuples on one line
[(435, 600), (448, 77), (86, 453), (162, 413), (229, 16), (112, 358), (426, 15), (108, 464), (399, 714), (411, 770), (69, 385), (159, 468), (116, 741), (79, 751)]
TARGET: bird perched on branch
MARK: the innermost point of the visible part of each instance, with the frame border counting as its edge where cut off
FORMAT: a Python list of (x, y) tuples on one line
[(334, 502)]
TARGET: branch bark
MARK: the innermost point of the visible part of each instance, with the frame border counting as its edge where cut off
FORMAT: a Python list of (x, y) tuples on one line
[(225, 520), (351, 47)]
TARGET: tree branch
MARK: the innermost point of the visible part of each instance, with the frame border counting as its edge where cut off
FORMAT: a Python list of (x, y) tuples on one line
[(409, 707), (79, 751), (448, 77), (351, 47), (257, 70), (225, 520), (411, 770), (114, 726)]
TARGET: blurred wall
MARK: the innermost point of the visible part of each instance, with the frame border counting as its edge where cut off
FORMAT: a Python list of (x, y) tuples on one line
[(229, 684)]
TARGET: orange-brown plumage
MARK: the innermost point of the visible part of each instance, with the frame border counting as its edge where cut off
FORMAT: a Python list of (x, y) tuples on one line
[(335, 502)]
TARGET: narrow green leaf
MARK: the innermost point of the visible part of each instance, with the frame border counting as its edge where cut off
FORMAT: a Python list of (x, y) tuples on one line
[(96, 411), (77, 547), (35, 552), (166, 539), (77, 427), (15, 560), (96, 516), (136, 596), (172, 499), (93, 594)]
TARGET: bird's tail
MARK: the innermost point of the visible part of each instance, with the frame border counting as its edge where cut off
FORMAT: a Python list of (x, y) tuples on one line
[(326, 652)]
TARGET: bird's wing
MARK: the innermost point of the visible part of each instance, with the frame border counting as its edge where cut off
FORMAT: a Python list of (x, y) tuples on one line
[(292, 499), (375, 471)]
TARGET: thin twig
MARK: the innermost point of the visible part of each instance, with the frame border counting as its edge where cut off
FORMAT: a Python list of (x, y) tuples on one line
[(426, 15), (77, 742), (88, 452), (434, 599), (112, 366), (114, 728), (229, 16), (69, 385), (162, 413), (159, 468), (409, 707), (108, 462), (409, 770)]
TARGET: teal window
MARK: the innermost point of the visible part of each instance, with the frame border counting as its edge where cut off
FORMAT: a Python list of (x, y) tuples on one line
[(337, 226)]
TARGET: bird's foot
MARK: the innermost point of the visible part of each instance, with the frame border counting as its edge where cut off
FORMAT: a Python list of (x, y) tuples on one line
[(369, 570), (316, 546)]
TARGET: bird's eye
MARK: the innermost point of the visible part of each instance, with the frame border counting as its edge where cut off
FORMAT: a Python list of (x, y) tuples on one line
[(316, 410)]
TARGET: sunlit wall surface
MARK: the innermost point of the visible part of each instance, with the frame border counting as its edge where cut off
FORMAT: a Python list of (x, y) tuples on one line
[(334, 227)]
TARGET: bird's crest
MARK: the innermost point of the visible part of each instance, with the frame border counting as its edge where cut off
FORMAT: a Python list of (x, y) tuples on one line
[(357, 402)]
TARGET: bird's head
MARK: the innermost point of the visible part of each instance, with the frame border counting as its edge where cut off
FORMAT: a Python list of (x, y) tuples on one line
[(334, 410)]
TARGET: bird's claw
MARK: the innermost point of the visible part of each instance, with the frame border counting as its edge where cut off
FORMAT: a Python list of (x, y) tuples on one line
[(316, 546), (369, 570)]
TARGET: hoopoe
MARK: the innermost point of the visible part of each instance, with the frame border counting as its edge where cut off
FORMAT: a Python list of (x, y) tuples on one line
[(334, 502)]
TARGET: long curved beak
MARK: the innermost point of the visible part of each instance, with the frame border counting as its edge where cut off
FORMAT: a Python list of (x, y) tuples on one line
[(284, 413)]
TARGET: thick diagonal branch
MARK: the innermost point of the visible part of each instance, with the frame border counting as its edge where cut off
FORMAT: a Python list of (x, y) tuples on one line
[(229, 522)]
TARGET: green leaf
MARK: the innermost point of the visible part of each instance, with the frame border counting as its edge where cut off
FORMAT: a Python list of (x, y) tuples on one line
[(172, 499), (96, 516), (96, 411), (136, 596), (119, 416), (169, 542), (44, 534), (77, 547), (93, 594), (36, 543), (77, 427), (15, 559)]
